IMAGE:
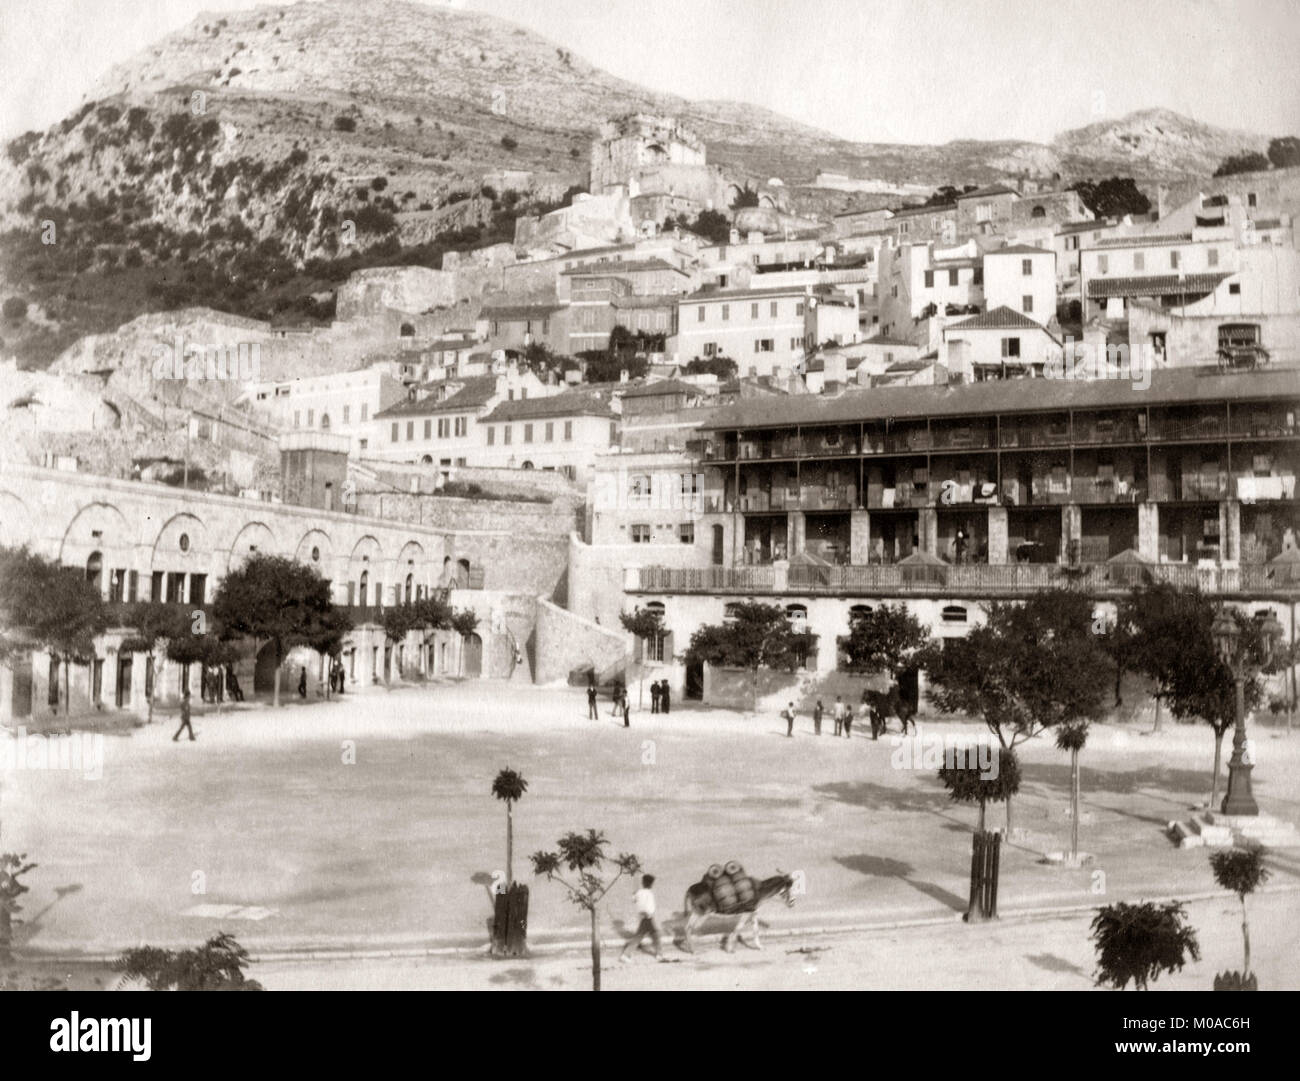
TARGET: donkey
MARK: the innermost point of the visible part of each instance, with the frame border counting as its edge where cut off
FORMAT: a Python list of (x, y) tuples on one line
[(699, 905)]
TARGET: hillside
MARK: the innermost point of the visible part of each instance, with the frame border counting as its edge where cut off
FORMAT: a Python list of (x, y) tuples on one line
[(220, 164)]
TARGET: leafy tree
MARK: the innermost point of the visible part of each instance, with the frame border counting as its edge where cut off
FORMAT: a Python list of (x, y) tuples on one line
[(712, 225), (345, 123), (966, 782), (272, 599), (508, 142), (509, 787), (464, 622), (1249, 161), (947, 195), (217, 965), (326, 633), (152, 624), (755, 636), (1112, 198), (1140, 942), (886, 639), (1072, 737), (1240, 871), (722, 367), (47, 606), (1284, 152), (584, 856), (1030, 667), (15, 308)]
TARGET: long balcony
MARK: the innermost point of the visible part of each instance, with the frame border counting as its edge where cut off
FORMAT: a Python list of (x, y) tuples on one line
[(943, 579)]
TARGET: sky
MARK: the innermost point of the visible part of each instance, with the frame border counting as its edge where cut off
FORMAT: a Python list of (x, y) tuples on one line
[(915, 71)]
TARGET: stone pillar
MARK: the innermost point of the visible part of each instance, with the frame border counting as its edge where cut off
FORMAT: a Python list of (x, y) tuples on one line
[(998, 535), (927, 529), (859, 537), (780, 576), (1149, 531), (1071, 529), (795, 532), (1230, 529)]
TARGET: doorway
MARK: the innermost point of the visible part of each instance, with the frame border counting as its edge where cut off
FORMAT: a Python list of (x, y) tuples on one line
[(473, 666)]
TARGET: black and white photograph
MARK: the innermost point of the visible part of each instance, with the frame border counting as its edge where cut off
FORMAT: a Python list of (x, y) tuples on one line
[(648, 495)]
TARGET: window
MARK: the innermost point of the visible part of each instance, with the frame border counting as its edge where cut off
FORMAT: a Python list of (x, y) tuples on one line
[(1026, 303), (1103, 264), (929, 279), (798, 308), (1027, 267), (364, 444), (753, 310), (686, 532), (347, 413), (1011, 347), (1212, 255), (410, 430), (428, 428), (952, 277), (1250, 199), (550, 431), (393, 436), (528, 433), (953, 613), (198, 588), (297, 419), (568, 431), (505, 434), (365, 410), (1173, 260), (311, 417), (444, 427), (984, 212), (640, 534), (1139, 261), (726, 312), (763, 345), (772, 309), (700, 314), (1234, 289)]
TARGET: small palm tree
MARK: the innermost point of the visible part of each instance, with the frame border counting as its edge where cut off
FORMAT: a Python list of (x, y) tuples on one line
[(509, 786), (1140, 942), (1240, 871), (1072, 737)]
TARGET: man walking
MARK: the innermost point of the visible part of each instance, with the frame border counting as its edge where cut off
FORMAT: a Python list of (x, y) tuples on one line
[(185, 717), (302, 682), (592, 712), (839, 715), (663, 696), (627, 712), (646, 923), (788, 715), (654, 696), (817, 718), (848, 721)]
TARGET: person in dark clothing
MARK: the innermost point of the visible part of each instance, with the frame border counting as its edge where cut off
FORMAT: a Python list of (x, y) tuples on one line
[(592, 712), (185, 725), (627, 712), (302, 682), (818, 709), (654, 696), (232, 684), (663, 696), (618, 698), (788, 715)]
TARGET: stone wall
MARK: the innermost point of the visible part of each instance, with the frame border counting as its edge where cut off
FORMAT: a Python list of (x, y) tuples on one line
[(564, 641)]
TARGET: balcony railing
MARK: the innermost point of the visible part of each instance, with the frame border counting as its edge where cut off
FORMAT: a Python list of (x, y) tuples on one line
[(1010, 578)]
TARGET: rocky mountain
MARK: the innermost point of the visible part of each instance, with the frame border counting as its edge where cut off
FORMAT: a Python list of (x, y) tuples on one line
[(223, 157)]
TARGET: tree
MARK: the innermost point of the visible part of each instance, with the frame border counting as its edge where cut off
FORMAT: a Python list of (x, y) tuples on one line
[(398, 622), (1240, 871), (1072, 737), (1112, 198), (13, 865), (967, 783), (1284, 152), (1198, 684), (947, 194), (646, 625), (583, 855), (712, 226), (1030, 667), (217, 965), (1140, 942), (152, 624), (510, 787), (1249, 161), (754, 636), (326, 633), (888, 638), (45, 605), (722, 367), (274, 600), (745, 197)]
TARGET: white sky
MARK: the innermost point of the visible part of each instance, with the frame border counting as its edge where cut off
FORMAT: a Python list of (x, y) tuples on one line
[(882, 70)]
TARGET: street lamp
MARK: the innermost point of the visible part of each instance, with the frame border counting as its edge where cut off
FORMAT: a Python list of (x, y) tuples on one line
[(1239, 799)]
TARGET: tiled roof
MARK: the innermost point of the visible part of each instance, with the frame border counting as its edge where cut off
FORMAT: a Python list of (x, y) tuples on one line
[(476, 392), (572, 403), (1144, 240), (1154, 285), (622, 267), (518, 311), (724, 296), (661, 387), (1168, 386), (992, 189), (999, 318), (881, 339), (912, 211)]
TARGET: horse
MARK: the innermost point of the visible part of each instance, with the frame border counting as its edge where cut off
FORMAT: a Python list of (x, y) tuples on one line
[(886, 704), (699, 905)]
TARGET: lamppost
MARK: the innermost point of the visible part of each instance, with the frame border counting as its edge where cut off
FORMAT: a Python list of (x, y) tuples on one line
[(1239, 799)]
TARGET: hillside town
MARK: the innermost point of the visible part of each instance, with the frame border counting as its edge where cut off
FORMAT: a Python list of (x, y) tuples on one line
[(866, 421)]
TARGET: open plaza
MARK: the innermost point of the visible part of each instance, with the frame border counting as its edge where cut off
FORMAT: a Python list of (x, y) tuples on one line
[(353, 840)]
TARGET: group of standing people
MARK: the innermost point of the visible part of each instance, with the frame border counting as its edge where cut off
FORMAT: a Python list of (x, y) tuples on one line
[(217, 683), (842, 715), (337, 676), (659, 696)]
